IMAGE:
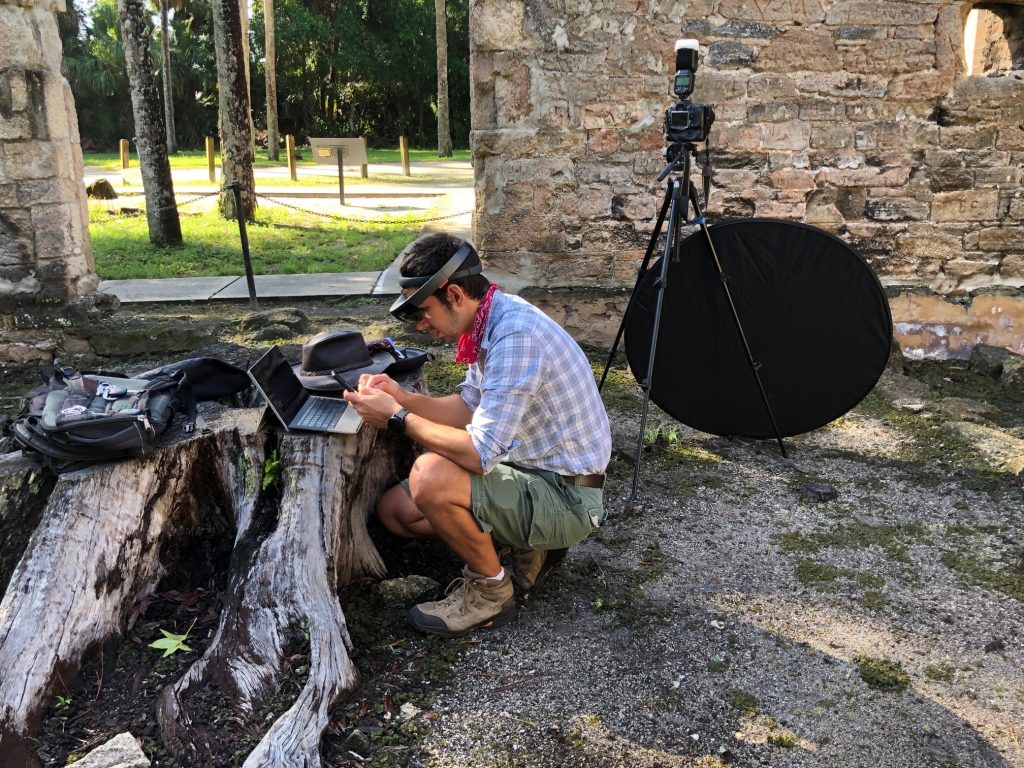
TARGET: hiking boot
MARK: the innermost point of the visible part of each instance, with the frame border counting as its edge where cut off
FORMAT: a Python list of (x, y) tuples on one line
[(472, 603), (531, 566)]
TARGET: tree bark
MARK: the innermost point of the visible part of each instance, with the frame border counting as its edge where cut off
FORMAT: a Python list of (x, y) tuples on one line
[(166, 77), (444, 132), (271, 77), (243, 10), (236, 131), (102, 544), (150, 136)]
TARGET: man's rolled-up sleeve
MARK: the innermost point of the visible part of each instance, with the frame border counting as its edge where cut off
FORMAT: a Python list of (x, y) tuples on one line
[(514, 365)]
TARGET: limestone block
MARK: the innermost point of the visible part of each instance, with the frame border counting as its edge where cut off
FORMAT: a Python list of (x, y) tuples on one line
[(788, 11), (1012, 266), (512, 95), (896, 209), (19, 50), (965, 205), (929, 243), (508, 142), (848, 34), (832, 136), (800, 49), (949, 41), (868, 176), (53, 226), (1011, 133), (963, 268), (792, 180), (499, 25), (1010, 178), (57, 120), (895, 56), (729, 54), (122, 751), (44, 191), (967, 136), (481, 75), (843, 84), (822, 110), (745, 29), (1017, 208), (871, 13), (17, 126), (897, 136), (988, 91), (915, 86), (775, 209), (28, 160), (767, 86), (1000, 238), (713, 87)]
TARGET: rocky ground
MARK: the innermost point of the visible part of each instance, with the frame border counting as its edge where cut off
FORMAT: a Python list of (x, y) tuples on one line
[(854, 604)]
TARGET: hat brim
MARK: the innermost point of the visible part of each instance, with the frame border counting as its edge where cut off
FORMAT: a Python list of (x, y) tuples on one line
[(383, 362)]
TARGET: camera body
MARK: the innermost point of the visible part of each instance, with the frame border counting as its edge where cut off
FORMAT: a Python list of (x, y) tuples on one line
[(686, 121)]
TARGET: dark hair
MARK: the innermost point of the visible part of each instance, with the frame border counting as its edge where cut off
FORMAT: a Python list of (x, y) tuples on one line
[(427, 254)]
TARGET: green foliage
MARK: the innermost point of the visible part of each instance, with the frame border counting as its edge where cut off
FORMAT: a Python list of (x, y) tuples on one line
[(939, 673), (343, 69), (171, 643), (882, 674), (271, 471), (63, 703), (743, 701), (785, 740)]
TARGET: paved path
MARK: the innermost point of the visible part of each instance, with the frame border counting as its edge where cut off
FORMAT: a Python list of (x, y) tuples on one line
[(447, 189)]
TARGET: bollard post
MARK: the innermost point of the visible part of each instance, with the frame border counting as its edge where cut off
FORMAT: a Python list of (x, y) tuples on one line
[(125, 154), (210, 163), (403, 149), (289, 144), (341, 174), (364, 168), (236, 188)]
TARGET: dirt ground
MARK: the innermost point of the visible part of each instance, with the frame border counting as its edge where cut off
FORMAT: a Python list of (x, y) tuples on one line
[(855, 604)]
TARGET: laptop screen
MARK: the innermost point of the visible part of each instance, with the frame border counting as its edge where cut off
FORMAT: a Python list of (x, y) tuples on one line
[(279, 383)]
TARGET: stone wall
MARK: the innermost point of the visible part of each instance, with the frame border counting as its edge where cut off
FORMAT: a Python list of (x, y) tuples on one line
[(45, 252), (853, 115)]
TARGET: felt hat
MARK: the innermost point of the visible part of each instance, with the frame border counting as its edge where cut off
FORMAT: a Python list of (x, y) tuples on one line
[(344, 353)]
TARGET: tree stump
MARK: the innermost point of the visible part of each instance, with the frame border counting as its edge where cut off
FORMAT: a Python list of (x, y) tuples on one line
[(108, 534)]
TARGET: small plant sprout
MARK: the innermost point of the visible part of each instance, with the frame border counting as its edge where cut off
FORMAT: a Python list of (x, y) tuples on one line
[(171, 643), (271, 470), (63, 703)]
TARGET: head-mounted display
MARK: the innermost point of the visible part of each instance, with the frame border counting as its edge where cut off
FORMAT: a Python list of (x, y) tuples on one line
[(408, 308)]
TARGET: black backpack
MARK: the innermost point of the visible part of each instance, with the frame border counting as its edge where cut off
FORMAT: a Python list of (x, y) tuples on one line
[(77, 418)]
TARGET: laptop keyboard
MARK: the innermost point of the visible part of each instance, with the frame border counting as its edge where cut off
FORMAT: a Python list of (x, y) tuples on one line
[(320, 414)]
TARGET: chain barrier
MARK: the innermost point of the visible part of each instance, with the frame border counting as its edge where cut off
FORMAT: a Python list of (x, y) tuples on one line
[(339, 217), (325, 214), (140, 211)]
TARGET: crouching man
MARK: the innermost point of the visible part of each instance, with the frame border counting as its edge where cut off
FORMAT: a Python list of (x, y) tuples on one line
[(517, 458)]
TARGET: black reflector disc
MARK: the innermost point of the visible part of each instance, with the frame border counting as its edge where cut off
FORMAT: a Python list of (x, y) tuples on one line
[(814, 315)]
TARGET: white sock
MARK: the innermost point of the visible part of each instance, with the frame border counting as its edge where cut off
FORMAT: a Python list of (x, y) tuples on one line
[(501, 575)]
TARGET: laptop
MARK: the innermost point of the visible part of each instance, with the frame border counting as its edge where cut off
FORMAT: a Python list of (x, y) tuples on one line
[(292, 403)]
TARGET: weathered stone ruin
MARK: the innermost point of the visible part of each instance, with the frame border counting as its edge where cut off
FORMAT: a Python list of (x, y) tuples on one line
[(897, 125)]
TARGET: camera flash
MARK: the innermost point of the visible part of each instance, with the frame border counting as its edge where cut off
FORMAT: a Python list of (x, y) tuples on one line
[(688, 42), (686, 54)]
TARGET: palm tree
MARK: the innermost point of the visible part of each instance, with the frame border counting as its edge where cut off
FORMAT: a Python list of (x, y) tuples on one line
[(236, 131), (165, 77), (271, 77), (444, 132), (150, 136)]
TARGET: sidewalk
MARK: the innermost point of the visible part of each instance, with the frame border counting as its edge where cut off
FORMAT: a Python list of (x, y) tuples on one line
[(454, 196)]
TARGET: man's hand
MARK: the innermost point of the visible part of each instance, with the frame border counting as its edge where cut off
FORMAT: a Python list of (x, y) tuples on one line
[(375, 405), (382, 382)]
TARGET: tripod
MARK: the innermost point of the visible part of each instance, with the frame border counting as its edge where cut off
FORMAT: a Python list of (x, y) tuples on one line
[(680, 194)]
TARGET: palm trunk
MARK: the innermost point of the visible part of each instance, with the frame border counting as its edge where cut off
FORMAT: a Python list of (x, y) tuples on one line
[(165, 77), (271, 76), (236, 130), (150, 136), (444, 132)]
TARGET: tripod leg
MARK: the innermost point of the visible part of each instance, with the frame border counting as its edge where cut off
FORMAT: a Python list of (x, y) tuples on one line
[(636, 286), (754, 365), (678, 213)]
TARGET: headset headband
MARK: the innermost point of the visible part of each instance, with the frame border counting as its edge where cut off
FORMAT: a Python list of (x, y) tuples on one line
[(430, 284)]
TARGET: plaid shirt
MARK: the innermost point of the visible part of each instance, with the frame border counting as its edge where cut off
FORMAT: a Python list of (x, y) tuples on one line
[(533, 395)]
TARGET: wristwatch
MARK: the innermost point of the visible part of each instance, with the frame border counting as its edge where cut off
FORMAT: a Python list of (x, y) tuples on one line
[(396, 424)]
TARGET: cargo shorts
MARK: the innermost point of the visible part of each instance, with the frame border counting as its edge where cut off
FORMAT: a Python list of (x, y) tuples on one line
[(533, 508)]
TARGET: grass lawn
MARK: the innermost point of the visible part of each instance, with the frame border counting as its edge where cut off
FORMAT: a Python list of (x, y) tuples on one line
[(196, 158), (280, 242)]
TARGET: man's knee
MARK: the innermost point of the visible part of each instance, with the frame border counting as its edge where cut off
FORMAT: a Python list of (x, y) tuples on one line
[(433, 477), (393, 509)]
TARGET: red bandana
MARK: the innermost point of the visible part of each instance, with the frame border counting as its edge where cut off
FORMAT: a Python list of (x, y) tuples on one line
[(469, 343)]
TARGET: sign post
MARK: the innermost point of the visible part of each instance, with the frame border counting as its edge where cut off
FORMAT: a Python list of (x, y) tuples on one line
[(340, 151)]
